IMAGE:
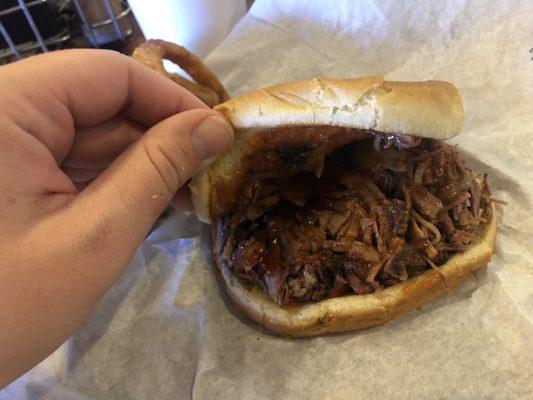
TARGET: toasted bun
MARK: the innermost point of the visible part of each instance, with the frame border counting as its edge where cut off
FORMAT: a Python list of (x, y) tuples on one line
[(429, 109), (360, 311)]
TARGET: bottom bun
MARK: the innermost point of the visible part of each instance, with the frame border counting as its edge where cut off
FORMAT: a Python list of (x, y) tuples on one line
[(360, 311)]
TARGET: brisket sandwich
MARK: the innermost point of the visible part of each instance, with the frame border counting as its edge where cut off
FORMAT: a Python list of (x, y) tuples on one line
[(340, 206)]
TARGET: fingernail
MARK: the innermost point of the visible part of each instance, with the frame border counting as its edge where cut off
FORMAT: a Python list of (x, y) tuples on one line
[(211, 137)]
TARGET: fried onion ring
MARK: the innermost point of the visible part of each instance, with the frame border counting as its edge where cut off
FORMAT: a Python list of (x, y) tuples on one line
[(207, 87)]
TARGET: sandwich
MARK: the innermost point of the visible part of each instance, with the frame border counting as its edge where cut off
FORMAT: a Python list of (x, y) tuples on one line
[(341, 206)]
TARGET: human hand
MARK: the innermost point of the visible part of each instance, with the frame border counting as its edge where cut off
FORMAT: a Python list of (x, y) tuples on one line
[(76, 196)]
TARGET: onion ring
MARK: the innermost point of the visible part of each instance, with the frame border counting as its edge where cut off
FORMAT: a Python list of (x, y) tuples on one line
[(206, 86)]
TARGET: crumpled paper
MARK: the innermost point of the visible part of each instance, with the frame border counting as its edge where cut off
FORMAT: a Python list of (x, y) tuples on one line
[(168, 331)]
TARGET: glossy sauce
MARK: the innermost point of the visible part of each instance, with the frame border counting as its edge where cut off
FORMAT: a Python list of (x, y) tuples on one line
[(281, 153)]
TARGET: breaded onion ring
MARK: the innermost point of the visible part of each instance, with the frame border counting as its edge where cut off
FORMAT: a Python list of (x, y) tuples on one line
[(207, 87)]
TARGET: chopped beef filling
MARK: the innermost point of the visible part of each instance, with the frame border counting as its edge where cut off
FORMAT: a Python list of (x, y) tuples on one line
[(369, 215)]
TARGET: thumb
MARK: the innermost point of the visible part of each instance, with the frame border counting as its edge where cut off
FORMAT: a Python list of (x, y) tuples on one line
[(126, 199)]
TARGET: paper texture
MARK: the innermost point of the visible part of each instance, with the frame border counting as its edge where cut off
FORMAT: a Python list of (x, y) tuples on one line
[(167, 331)]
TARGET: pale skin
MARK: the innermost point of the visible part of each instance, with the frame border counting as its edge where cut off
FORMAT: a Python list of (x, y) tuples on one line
[(93, 147)]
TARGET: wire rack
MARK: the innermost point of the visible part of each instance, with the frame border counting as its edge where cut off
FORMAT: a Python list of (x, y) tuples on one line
[(91, 30)]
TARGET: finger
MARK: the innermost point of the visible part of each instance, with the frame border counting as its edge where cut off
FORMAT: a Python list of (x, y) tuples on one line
[(126, 199), (48, 95), (78, 175), (98, 145)]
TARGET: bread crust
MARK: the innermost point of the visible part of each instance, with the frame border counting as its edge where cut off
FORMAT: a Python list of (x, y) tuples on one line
[(431, 109), (360, 311)]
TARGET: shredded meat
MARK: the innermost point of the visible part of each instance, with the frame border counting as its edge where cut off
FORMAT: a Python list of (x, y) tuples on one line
[(425, 203), (249, 253), (369, 215)]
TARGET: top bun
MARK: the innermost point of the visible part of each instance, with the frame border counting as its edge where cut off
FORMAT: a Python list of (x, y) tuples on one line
[(431, 109)]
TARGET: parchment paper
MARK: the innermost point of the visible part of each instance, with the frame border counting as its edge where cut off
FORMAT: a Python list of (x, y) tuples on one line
[(166, 331)]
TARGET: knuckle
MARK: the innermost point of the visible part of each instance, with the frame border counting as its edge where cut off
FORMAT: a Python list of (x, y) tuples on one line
[(171, 161)]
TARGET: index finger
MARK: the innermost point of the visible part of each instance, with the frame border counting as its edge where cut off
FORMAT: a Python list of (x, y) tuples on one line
[(94, 85)]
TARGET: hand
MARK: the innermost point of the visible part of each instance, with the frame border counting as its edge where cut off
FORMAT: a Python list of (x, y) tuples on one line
[(93, 146)]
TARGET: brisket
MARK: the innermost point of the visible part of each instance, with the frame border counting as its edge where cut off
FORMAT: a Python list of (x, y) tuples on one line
[(370, 215)]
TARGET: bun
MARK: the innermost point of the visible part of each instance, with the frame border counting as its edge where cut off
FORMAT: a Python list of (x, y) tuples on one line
[(431, 109), (365, 310)]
